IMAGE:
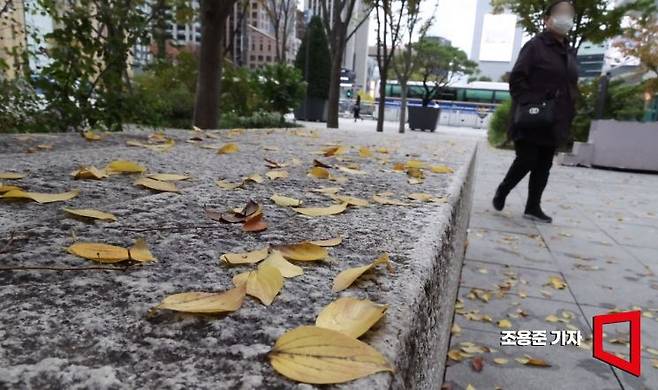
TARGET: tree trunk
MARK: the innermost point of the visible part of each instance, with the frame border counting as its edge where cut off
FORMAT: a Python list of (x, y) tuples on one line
[(403, 105), (334, 77), (206, 107), (382, 101)]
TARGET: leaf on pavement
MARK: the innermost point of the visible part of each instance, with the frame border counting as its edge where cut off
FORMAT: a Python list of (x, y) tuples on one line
[(350, 316), (303, 251), (328, 242), (315, 355), (167, 176), (285, 201), (102, 253), (264, 283), (228, 149), (322, 211), (276, 174), (163, 186), (319, 172), (287, 269), (251, 257), (89, 172), (345, 278), (40, 197), (11, 175), (124, 166), (140, 251), (91, 213), (204, 302)]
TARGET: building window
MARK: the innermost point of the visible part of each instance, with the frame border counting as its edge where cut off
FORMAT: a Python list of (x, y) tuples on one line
[(252, 57), (261, 47), (269, 58), (269, 47), (260, 58)]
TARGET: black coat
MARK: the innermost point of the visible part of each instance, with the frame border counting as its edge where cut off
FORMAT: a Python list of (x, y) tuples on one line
[(545, 66)]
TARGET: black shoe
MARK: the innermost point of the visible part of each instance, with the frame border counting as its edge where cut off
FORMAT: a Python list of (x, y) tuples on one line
[(537, 215), (498, 200)]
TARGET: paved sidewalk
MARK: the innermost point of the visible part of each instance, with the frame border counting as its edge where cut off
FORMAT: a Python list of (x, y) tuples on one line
[(603, 244)]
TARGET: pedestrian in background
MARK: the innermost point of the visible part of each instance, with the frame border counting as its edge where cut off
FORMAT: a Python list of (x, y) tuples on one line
[(357, 108), (544, 86)]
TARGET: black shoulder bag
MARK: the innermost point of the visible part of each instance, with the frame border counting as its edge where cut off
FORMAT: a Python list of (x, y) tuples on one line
[(536, 116)]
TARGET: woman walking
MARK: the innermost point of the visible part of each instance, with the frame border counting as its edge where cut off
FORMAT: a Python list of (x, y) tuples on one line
[(544, 85)]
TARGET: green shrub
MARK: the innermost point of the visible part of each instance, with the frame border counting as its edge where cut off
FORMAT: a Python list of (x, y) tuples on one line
[(258, 120), (282, 88), (497, 132)]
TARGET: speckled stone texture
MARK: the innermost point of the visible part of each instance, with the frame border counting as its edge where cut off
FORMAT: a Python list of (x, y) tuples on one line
[(90, 329)]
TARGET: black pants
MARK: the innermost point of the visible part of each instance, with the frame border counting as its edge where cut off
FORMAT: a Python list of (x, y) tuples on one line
[(533, 158)]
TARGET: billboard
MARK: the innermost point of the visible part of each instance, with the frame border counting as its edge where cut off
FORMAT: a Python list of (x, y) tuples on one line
[(497, 40)]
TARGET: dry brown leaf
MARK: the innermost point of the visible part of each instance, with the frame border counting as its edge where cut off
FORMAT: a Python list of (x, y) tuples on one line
[(40, 197), (310, 354), (91, 213), (254, 223), (264, 283), (205, 303), (322, 211), (89, 172), (388, 201), (277, 174), (157, 185), (140, 251), (328, 242), (227, 185), (345, 278), (124, 166), (556, 282), (287, 269), (11, 175), (303, 251), (102, 253), (251, 257), (285, 201), (167, 176), (441, 169), (350, 316), (319, 172), (351, 200)]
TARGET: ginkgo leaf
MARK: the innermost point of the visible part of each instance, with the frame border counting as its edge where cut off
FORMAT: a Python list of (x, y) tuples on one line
[(90, 172), (303, 251), (102, 253), (351, 200), (285, 201), (40, 197), (11, 175), (350, 316), (251, 257), (276, 174), (345, 278), (321, 211), (264, 283), (441, 169), (91, 213), (228, 149), (327, 190), (287, 269), (315, 355), (124, 166), (388, 201), (500, 361), (319, 172), (157, 185), (352, 171), (328, 242), (204, 302), (140, 251), (167, 176)]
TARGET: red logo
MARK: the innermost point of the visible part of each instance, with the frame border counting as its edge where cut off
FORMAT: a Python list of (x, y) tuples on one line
[(633, 317)]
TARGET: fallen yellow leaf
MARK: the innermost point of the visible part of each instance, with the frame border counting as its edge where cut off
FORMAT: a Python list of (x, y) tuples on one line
[(322, 211), (90, 172), (11, 175), (204, 302), (345, 278), (504, 324), (319, 172), (303, 251), (285, 201), (310, 354), (167, 176), (328, 242), (102, 253), (157, 185), (350, 316), (264, 283), (246, 257), (287, 269), (40, 197), (124, 166), (91, 213), (140, 251), (276, 174), (441, 169), (228, 149)]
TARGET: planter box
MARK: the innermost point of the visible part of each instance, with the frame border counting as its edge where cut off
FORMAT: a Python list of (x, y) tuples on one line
[(312, 109), (423, 118)]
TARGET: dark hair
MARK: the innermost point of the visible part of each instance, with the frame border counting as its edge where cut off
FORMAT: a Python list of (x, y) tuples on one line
[(549, 8)]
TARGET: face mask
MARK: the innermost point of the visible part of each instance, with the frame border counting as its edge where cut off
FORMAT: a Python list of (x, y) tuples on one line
[(562, 23)]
